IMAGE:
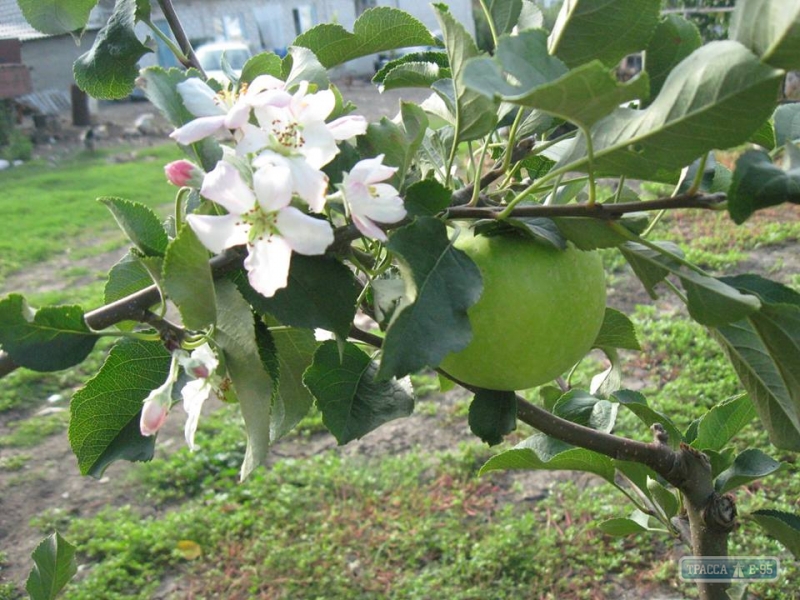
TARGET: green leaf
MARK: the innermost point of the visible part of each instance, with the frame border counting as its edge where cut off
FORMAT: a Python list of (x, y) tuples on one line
[(765, 136), (691, 116), (787, 124), (636, 473), (758, 183), (543, 452), (493, 415), (418, 69), (376, 30), (637, 404), (399, 142), (770, 29), (650, 266), (49, 339), (621, 526), (110, 68), (321, 293), (607, 30), (582, 408), (663, 498), (590, 234), (441, 284), (718, 426), (56, 16), (54, 566), (750, 465), (187, 280), (617, 331), (236, 336), (720, 460), (300, 65), (295, 353), (712, 302), (765, 352), (583, 95), (505, 14), (126, 277), (104, 413), (539, 229), (474, 114), (674, 39), (265, 63), (427, 198), (140, 224), (783, 526), (352, 401)]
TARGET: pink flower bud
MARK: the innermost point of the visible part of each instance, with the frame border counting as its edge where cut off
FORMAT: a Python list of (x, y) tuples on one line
[(183, 173), (155, 409)]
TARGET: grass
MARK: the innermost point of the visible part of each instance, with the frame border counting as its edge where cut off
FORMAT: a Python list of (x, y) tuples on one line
[(53, 206)]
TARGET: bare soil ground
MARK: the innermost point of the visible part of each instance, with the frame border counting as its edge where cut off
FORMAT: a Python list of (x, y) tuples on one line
[(50, 479)]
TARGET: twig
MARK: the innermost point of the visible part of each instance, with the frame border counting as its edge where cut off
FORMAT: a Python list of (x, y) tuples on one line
[(180, 34)]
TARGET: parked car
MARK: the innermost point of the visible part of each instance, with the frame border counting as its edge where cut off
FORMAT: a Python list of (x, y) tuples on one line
[(211, 55)]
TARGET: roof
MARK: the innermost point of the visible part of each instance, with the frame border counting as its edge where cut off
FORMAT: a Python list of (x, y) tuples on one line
[(13, 25)]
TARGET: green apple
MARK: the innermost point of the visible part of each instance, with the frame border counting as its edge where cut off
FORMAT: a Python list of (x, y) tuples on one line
[(539, 314)]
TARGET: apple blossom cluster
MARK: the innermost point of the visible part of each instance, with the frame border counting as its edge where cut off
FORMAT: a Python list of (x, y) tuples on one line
[(271, 183)]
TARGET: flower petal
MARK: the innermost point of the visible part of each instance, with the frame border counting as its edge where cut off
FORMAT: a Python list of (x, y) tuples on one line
[(196, 130), (368, 228), (194, 394), (319, 146), (238, 115), (250, 139), (225, 186), (199, 99), (348, 126), (263, 83), (155, 408), (370, 170), (313, 107), (308, 183), (218, 233), (304, 234), (273, 185), (267, 265)]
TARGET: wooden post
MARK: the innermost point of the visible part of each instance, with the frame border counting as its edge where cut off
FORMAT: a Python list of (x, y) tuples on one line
[(80, 107)]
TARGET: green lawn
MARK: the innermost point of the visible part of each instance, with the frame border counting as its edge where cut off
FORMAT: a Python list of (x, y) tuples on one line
[(52, 209)]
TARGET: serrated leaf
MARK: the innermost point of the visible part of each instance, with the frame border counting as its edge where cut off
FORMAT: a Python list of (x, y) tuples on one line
[(188, 281), (264, 63), (765, 352), (505, 14), (758, 183), (720, 460), (674, 39), (621, 526), (609, 381), (56, 16), (300, 65), (636, 473), (417, 69), (690, 116), (607, 30), (140, 224), (664, 498), (582, 96), (637, 404), (543, 452), (236, 336), (493, 415), (427, 198), (787, 124), (351, 400), (321, 293), (441, 284), (49, 339), (539, 229), (582, 408), (376, 30), (650, 266), (718, 426), (783, 526), (125, 278), (770, 29), (295, 352), (389, 294), (54, 566), (110, 68), (712, 302), (474, 115), (750, 465), (764, 137), (104, 413), (590, 234), (617, 331)]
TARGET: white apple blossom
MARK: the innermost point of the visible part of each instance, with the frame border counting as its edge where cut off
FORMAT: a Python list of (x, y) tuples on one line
[(369, 201), (263, 219), (200, 366), (219, 110), (157, 404)]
